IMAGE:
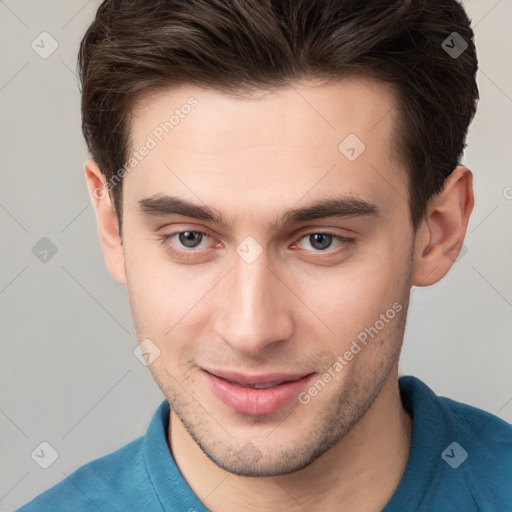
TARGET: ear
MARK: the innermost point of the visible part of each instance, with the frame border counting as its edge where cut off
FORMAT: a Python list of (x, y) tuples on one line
[(111, 242), (441, 234)]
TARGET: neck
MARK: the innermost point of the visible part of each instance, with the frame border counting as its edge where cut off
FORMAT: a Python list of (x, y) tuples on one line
[(361, 471)]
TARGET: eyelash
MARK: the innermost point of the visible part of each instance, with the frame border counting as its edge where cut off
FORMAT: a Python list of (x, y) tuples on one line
[(165, 237)]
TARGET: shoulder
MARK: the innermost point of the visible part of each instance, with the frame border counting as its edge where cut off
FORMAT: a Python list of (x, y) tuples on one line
[(98, 485), (475, 445), (486, 444), (484, 432), (487, 436), (478, 427)]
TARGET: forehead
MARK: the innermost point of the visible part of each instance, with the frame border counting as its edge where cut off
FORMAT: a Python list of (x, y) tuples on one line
[(280, 146), (355, 104)]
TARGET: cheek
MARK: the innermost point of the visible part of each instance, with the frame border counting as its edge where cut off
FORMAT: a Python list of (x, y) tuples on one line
[(353, 297), (154, 297), (168, 301)]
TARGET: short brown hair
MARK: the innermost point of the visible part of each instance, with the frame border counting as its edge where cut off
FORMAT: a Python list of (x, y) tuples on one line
[(135, 47)]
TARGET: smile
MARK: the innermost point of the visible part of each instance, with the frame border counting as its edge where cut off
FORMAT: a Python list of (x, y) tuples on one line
[(255, 395)]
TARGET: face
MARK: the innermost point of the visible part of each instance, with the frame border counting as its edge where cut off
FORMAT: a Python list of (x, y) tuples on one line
[(268, 265)]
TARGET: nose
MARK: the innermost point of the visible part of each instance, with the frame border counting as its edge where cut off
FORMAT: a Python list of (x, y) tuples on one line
[(254, 308)]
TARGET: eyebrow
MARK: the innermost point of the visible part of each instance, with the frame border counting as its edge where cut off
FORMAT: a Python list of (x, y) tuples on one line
[(345, 206)]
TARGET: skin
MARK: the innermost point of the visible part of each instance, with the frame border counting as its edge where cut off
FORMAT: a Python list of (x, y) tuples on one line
[(296, 307)]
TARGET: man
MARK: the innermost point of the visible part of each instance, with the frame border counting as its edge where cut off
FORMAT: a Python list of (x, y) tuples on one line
[(270, 179)]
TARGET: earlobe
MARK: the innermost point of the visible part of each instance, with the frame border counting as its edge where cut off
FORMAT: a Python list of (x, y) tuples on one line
[(108, 229), (440, 237)]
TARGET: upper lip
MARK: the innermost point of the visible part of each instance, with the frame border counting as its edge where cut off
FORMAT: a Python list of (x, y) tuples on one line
[(249, 380)]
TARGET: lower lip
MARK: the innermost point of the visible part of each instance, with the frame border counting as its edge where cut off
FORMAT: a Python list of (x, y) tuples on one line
[(256, 402)]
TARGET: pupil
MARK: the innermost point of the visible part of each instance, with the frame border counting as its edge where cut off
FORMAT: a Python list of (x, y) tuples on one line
[(188, 238), (325, 240)]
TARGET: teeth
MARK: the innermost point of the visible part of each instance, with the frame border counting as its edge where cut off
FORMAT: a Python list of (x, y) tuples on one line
[(264, 386), (257, 386)]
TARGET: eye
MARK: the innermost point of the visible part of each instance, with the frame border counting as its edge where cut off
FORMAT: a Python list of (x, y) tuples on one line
[(186, 242), (322, 241)]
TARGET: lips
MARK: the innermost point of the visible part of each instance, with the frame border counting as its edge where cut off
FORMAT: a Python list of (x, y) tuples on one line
[(256, 395)]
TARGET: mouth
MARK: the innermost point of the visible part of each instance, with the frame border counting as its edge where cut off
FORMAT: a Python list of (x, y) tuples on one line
[(256, 395)]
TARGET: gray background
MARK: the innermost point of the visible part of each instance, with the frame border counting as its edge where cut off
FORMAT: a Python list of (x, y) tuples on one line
[(68, 373)]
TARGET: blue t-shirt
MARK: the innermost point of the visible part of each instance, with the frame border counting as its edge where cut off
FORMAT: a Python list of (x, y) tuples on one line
[(460, 461)]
